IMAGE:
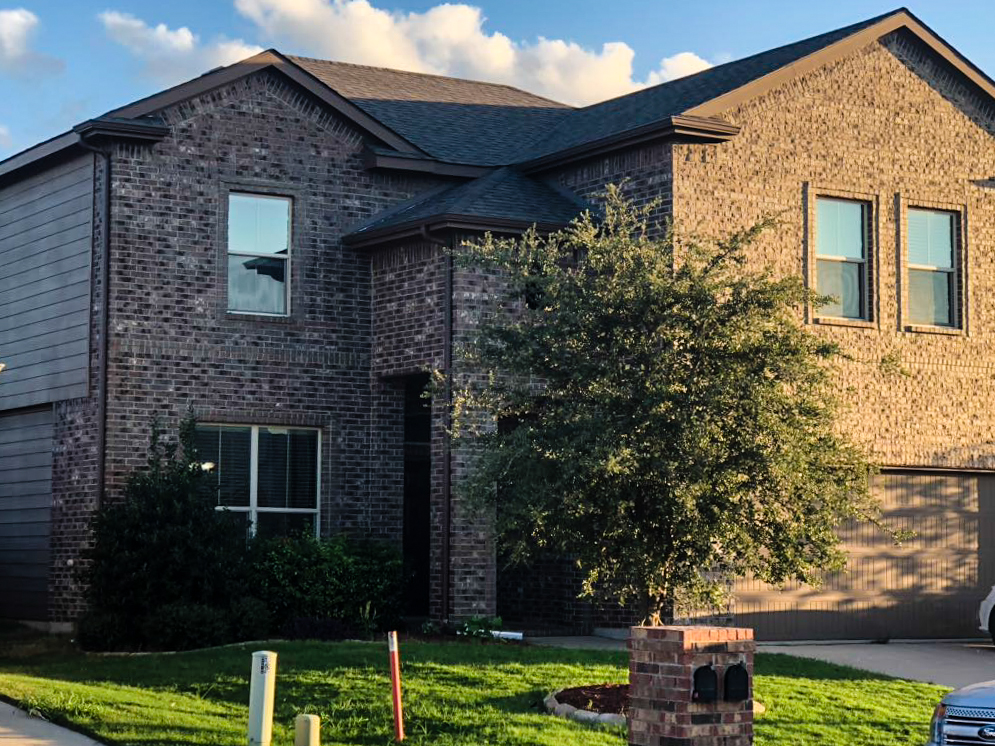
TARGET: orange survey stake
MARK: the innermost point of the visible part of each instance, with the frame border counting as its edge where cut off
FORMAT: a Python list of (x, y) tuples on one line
[(395, 685)]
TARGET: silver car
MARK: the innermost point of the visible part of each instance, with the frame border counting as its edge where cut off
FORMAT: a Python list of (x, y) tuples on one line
[(986, 614), (965, 716)]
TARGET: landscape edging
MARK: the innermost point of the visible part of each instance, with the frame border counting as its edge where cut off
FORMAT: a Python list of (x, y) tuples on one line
[(588, 717)]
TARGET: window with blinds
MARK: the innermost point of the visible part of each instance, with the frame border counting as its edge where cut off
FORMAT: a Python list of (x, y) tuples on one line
[(932, 267), (269, 473), (842, 261)]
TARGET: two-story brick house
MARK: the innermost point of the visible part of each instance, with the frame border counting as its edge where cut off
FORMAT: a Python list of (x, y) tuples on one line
[(267, 244)]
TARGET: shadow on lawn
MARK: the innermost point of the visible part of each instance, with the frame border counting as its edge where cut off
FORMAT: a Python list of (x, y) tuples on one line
[(779, 664)]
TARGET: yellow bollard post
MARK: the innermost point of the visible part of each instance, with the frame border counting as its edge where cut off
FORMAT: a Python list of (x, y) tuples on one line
[(307, 730)]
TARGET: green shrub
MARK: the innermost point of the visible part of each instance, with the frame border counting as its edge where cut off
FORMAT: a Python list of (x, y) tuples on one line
[(314, 628), (163, 546), (480, 627), (168, 572), (300, 577), (102, 631), (250, 619), (186, 626)]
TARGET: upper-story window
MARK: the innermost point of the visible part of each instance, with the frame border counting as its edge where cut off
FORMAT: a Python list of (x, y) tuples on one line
[(259, 254), (932, 266), (842, 266)]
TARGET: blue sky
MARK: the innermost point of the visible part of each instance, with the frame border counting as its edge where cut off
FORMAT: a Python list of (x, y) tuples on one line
[(58, 67)]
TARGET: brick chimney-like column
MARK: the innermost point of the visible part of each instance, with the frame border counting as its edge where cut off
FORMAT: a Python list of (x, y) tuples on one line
[(664, 709)]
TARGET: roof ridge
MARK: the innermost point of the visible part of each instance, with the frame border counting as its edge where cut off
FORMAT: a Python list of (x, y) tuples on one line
[(428, 75), (857, 26)]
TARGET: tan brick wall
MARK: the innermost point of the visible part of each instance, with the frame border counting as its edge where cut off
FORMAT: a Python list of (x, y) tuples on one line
[(891, 122)]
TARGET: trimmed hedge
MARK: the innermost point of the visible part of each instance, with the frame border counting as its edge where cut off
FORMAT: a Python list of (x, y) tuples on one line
[(356, 583)]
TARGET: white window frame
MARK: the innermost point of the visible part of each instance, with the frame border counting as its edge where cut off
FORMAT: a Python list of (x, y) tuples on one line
[(864, 262), (253, 508), (290, 250), (953, 273)]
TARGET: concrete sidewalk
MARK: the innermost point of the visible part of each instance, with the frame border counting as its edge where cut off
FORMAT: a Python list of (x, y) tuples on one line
[(17, 728)]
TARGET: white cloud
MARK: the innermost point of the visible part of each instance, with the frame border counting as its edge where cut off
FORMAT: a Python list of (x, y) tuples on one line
[(450, 39), (17, 26), (446, 39), (677, 66), (172, 55), (5, 139)]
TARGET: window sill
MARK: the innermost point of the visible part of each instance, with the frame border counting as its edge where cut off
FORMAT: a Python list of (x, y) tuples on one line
[(949, 331), (839, 321), (259, 317)]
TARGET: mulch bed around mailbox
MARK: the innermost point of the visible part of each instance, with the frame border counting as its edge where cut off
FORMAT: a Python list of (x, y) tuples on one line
[(613, 698)]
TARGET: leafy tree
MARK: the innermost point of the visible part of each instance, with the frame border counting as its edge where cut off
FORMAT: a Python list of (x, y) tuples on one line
[(664, 417)]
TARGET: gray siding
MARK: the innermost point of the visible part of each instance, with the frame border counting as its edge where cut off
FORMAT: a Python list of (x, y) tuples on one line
[(25, 513), (45, 249)]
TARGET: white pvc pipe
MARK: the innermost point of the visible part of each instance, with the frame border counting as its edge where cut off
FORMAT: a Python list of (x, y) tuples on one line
[(307, 730), (500, 635), (262, 692)]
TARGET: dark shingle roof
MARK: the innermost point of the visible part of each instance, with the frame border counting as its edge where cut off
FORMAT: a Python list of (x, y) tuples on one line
[(617, 115), (453, 120), (504, 194), (486, 124)]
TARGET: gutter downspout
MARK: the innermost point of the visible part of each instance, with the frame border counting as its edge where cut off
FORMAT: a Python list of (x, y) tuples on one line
[(447, 514), (447, 466), (104, 323)]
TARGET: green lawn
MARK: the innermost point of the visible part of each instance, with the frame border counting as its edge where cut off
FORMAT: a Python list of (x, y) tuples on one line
[(455, 693)]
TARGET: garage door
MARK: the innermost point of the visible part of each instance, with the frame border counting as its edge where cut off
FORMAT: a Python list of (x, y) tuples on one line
[(928, 587), (25, 513)]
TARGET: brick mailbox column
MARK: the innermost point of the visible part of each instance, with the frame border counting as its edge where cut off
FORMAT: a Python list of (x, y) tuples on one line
[(662, 664)]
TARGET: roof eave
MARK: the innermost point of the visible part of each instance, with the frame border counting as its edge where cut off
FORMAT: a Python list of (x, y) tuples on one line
[(451, 221), (402, 162), (66, 143), (900, 19), (681, 126), (40, 152), (122, 129)]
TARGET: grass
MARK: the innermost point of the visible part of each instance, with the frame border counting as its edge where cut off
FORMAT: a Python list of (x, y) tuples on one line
[(455, 694)]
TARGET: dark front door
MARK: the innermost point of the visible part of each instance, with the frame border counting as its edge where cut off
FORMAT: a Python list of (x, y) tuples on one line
[(417, 495)]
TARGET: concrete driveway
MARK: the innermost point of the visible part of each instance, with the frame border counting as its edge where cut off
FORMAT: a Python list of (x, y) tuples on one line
[(953, 664)]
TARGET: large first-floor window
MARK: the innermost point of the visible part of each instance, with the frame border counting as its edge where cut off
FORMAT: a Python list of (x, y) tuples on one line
[(271, 474)]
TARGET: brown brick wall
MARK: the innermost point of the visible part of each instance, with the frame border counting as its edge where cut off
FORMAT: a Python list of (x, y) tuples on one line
[(476, 295), (645, 174), (408, 338), (75, 452), (173, 345)]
